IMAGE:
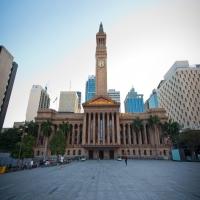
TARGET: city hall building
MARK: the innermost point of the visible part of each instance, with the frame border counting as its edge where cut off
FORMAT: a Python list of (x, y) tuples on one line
[(101, 131)]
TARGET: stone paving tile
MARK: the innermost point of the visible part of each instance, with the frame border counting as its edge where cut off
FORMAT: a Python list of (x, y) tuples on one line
[(105, 180)]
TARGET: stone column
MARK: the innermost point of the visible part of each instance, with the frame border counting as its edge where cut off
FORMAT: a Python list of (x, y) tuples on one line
[(140, 136), (145, 133), (84, 129), (152, 138), (89, 127), (113, 129), (94, 118), (118, 128), (134, 136), (108, 129), (124, 135), (73, 132), (158, 135), (99, 128), (129, 134), (78, 135), (103, 127)]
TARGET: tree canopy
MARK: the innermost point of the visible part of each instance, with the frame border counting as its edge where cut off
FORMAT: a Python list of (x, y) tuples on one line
[(46, 128), (137, 124), (24, 148), (58, 143), (9, 139)]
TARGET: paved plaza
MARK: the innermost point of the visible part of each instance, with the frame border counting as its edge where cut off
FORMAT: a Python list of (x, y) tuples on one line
[(105, 180)]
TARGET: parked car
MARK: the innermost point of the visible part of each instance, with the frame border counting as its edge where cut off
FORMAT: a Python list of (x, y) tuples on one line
[(119, 158), (83, 159)]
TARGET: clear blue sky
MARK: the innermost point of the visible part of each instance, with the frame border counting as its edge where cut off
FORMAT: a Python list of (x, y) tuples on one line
[(53, 42)]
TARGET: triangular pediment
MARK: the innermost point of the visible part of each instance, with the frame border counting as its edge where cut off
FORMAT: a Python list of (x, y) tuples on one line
[(100, 100)]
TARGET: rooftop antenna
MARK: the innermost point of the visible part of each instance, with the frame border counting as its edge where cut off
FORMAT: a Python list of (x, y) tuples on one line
[(46, 87), (55, 100)]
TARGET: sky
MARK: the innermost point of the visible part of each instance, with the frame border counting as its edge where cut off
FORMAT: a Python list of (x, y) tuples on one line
[(54, 44)]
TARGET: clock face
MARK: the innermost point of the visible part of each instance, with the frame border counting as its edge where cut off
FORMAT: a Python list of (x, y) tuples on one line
[(101, 63)]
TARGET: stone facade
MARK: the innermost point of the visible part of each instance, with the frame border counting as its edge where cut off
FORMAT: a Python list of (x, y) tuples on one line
[(103, 132)]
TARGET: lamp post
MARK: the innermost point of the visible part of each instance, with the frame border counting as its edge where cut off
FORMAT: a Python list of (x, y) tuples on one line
[(20, 147)]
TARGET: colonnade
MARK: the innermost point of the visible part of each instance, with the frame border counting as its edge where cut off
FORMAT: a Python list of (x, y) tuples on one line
[(145, 135), (101, 128)]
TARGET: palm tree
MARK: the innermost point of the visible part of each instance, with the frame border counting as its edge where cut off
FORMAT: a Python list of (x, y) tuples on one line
[(154, 121), (171, 129), (32, 128), (64, 128), (137, 125), (46, 128)]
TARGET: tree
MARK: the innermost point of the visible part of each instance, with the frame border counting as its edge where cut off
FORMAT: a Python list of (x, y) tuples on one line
[(171, 129), (24, 148), (64, 128), (137, 125), (58, 143), (154, 121), (46, 128), (9, 139), (32, 128)]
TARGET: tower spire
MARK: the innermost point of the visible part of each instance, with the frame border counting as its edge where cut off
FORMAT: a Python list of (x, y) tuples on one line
[(101, 28)]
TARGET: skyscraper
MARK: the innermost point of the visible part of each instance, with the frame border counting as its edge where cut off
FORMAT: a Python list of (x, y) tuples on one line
[(134, 102), (179, 94), (79, 101), (68, 102), (8, 70), (152, 101), (90, 90), (114, 95), (38, 99)]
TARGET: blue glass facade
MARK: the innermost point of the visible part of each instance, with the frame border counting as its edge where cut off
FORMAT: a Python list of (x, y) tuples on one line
[(153, 100), (90, 90), (134, 102)]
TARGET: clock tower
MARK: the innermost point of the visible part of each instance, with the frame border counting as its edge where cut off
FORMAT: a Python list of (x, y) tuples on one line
[(101, 63)]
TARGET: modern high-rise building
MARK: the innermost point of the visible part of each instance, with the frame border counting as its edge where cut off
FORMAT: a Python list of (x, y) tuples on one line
[(114, 95), (134, 102), (90, 90), (8, 70), (79, 101), (68, 102), (38, 99), (102, 131), (152, 101), (179, 94)]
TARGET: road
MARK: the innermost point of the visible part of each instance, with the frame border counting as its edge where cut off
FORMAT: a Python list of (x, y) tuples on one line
[(105, 180)]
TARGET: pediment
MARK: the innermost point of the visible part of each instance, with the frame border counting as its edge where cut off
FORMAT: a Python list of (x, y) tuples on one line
[(101, 100)]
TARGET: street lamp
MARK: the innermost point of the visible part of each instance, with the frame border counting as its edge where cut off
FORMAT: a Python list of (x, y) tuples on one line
[(20, 147)]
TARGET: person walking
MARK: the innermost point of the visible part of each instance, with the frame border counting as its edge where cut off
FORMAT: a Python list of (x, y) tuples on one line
[(31, 164), (125, 160)]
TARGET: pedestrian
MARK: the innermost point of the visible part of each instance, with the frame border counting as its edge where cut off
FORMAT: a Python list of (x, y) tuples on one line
[(125, 160), (31, 164), (61, 159)]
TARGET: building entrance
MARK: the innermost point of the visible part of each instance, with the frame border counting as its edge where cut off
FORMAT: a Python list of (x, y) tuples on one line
[(90, 155), (101, 155), (111, 153)]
